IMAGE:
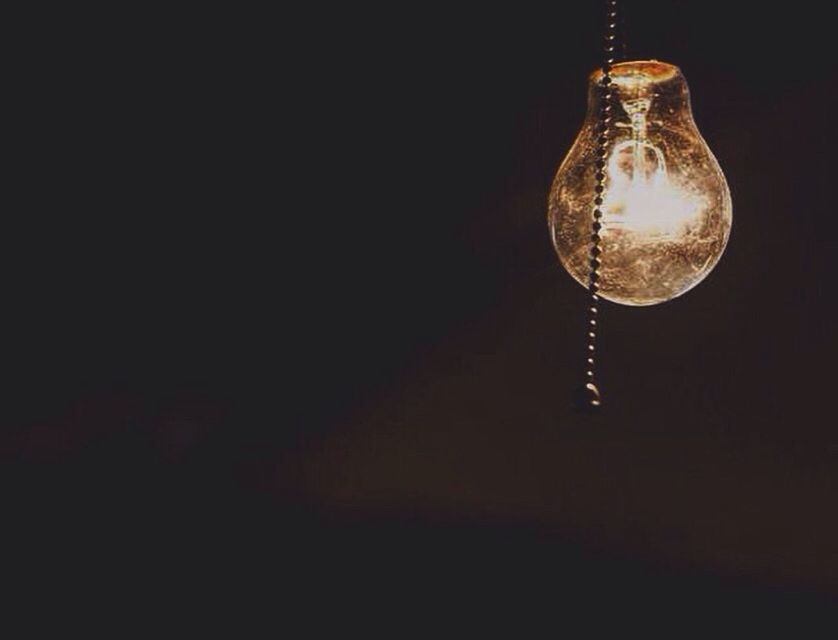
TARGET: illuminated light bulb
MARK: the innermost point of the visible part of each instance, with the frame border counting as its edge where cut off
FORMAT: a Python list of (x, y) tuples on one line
[(666, 207)]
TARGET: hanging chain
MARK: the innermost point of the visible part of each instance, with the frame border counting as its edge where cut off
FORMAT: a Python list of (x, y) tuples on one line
[(591, 397)]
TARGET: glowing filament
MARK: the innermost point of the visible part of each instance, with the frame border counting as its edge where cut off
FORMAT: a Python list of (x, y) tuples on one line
[(640, 197)]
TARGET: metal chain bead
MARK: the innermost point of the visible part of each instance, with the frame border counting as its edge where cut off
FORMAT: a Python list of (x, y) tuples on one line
[(591, 397)]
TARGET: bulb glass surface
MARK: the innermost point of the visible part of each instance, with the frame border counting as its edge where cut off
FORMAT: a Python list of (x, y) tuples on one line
[(666, 212)]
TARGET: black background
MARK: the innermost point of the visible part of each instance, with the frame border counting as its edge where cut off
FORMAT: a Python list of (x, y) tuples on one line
[(280, 306)]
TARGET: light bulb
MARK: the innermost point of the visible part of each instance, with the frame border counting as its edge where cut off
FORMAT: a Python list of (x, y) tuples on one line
[(666, 207)]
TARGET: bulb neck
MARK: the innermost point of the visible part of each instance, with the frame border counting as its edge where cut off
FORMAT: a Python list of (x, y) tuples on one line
[(647, 90)]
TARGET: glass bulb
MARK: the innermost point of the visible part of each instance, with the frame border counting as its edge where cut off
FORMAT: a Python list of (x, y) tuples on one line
[(666, 207)]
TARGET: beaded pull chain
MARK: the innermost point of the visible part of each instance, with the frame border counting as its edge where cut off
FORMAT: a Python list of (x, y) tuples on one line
[(590, 398)]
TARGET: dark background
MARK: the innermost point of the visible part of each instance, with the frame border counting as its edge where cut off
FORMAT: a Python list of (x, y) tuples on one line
[(281, 308)]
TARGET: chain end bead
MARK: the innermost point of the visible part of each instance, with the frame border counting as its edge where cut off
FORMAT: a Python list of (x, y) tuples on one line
[(588, 398)]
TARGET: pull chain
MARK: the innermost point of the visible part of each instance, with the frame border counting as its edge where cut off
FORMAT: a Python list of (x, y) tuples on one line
[(591, 397)]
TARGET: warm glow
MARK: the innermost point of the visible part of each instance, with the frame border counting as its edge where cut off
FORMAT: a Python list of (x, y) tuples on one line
[(666, 211), (649, 207)]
